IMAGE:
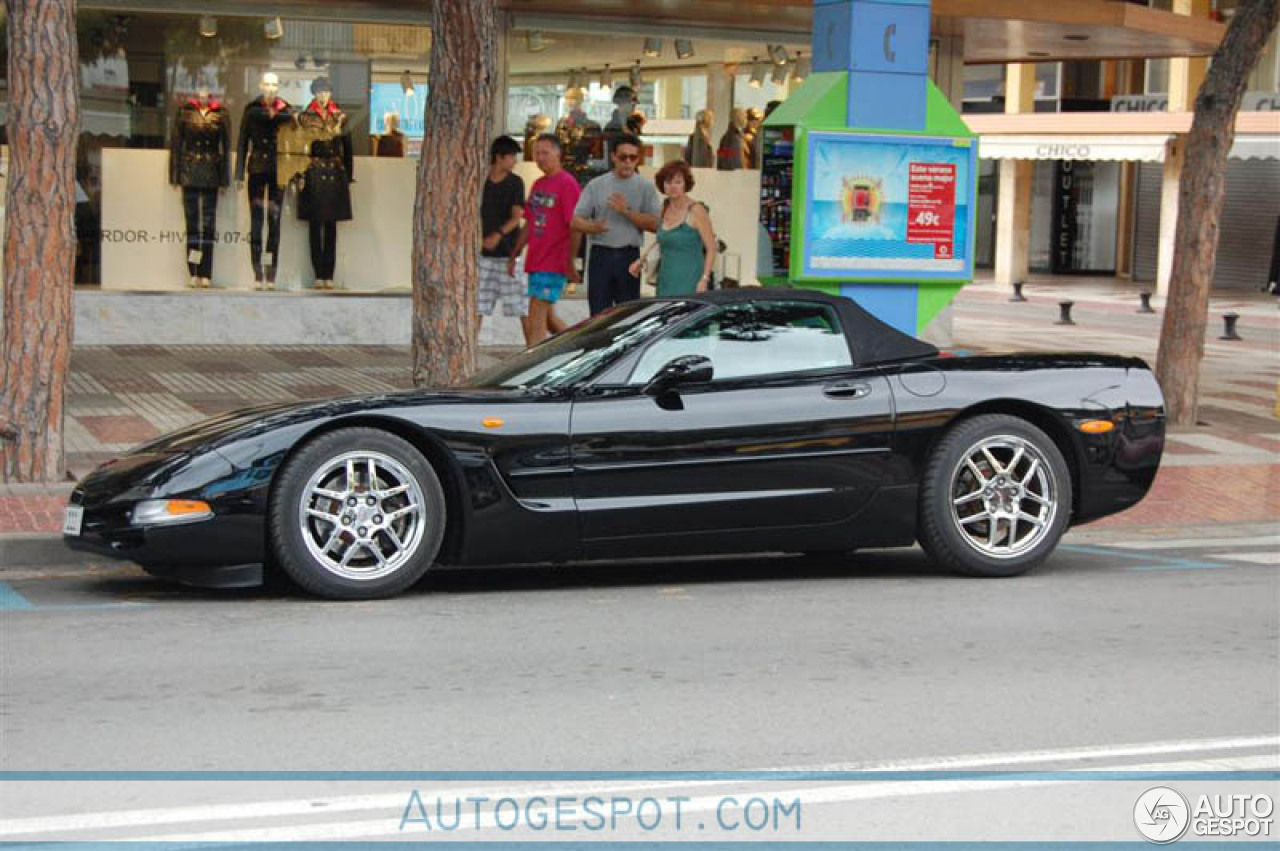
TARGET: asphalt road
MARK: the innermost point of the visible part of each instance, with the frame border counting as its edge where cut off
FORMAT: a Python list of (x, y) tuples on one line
[(712, 665)]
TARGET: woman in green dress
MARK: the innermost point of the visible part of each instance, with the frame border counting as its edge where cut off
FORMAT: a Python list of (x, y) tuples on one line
[(686, 240)]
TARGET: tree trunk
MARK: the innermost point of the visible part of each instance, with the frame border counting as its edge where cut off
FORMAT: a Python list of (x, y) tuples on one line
[(39, 238), (1200, 196), (446, 215)]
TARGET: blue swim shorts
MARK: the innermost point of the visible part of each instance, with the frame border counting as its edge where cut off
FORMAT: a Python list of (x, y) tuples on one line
[(546, 286)]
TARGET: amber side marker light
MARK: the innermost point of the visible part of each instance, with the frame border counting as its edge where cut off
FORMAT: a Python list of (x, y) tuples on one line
[(493, 422), (1096, 426), (152, 511)]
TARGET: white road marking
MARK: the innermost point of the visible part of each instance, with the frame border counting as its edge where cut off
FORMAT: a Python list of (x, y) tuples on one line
[(1191, 543), (809, 796), (354, 803), (1272, 557)]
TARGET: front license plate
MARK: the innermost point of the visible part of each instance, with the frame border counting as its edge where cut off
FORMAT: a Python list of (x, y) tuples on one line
[(73, 520)]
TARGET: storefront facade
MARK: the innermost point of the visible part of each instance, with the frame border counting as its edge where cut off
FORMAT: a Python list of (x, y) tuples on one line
[(145, 61), (1084, 163)]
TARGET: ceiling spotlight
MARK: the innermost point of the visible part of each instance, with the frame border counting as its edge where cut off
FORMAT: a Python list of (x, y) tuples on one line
[(208, 26), (652, 47), (534, 42), (635, 77), (684, 48), (778, 54), (300, 62), (606, 77), (779, 75), (803, 69), (320, 61), (273, 28), (758, 73), (406, 83)]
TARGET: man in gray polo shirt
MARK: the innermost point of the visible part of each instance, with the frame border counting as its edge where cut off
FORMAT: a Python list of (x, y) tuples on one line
[(614, 211)]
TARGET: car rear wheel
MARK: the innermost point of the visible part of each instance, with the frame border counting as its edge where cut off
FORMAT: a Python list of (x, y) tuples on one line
[(357, 514), (996, 497)]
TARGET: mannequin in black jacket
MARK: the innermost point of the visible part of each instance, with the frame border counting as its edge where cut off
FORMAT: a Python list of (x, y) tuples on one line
[(200, 163), (325, 198), (262, 120)]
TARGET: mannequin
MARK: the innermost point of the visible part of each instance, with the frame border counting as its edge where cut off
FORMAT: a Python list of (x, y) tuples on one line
[(391, 142), (700, 153), (624, 107), (751, 150), (325, 198), (577, 134), (624, 102), (200, 163), (259, 130), (533, 128), (730, 152)]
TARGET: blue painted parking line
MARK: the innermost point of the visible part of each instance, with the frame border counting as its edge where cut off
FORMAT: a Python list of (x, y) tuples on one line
[(1154, 561), (85, 607), (11, 600)]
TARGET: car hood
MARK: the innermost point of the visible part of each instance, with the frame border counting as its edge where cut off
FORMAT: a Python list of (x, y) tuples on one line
[(239, 424), (207, 448)]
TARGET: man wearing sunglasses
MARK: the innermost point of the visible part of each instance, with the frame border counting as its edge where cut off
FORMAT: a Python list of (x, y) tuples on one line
[(614, 211)]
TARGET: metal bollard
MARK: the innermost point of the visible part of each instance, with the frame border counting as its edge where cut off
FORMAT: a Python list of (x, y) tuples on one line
[(1146, 303), (1065, 318), (1017, 292), (1229, 327)]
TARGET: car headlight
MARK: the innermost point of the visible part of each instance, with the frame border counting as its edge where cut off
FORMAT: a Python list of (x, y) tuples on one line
[(155, 512)]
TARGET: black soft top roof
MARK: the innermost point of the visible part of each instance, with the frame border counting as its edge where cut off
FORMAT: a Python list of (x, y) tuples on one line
[(870, 340)]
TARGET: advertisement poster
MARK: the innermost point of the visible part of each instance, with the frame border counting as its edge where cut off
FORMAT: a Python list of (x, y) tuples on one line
[(889, 207)]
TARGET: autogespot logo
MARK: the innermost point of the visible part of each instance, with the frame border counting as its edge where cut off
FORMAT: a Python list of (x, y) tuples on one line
[(1162, 815)]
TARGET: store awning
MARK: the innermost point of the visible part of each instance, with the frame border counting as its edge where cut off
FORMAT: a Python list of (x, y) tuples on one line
[(1256, 147), (1137, 148), (1123, 147)]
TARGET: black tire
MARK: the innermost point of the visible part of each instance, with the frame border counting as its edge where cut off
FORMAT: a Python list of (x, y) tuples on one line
[(369, 575), (953, 535)]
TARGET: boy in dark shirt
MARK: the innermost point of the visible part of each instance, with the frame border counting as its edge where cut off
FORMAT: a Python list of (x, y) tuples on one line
[(501, 213)]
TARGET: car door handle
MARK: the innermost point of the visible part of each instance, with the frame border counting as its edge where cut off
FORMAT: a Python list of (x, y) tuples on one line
[(847, 390)]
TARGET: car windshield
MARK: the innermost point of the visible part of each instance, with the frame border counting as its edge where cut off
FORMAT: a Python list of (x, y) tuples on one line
[(584, 349)]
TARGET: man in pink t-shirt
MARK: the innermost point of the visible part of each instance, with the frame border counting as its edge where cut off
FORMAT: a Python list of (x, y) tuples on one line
[(549, 263)]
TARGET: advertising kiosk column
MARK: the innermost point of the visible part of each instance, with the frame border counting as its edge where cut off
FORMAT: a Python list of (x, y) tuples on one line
[(869, 175)]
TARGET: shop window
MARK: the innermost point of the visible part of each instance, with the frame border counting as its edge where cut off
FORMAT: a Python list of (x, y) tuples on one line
[(172, 192), (748, 96), (693, 95), (983, 84), (1157, 77)]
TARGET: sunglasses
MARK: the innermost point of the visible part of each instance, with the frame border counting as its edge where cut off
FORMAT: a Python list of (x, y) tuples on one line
[(628, 158)]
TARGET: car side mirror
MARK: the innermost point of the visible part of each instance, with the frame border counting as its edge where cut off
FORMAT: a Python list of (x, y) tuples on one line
[(686, 369)]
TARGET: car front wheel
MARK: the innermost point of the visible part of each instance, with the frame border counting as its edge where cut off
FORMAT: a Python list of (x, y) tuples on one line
[(996, 497), (358, 513)]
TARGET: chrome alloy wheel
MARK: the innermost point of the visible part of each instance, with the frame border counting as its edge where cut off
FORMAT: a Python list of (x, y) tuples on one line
[(1004, 496), (362, 515)]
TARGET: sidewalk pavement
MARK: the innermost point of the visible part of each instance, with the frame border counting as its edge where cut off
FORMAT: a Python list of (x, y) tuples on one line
[(1225, 470)]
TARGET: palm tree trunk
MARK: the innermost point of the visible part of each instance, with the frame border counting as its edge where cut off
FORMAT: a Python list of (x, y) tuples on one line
[(446, 217), (1200, 197), (39, 237)]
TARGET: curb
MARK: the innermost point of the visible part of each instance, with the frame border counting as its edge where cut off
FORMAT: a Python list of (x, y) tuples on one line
[(25, 550)]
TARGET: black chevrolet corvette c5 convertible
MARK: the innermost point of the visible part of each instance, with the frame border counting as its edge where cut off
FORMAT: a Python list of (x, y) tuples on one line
[(738, 421)]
